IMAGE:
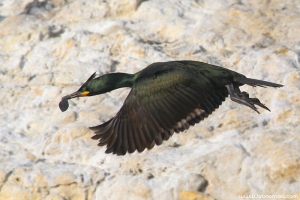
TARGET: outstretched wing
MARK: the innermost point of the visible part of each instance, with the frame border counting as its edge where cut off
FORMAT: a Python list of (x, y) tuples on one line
[(158, 105)]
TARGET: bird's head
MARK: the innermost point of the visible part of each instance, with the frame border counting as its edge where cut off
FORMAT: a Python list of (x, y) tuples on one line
[(100, 85), (87, 89)]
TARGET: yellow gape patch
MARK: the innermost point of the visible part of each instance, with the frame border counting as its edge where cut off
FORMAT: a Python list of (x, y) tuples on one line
[(85, 93)]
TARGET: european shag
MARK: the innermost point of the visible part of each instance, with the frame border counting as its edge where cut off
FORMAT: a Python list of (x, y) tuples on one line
[(165, 97)]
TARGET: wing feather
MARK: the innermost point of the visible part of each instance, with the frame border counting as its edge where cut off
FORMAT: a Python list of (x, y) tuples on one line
[(107, 134), (141, 142), (151, 145), (154, 125), (147, 124), (124, 132), (158, 139), (169, 106), (101, 129), (130, 138), (115, 140)]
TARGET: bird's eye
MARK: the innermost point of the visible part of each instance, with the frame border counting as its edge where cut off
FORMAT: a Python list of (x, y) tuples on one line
[(84, 89)]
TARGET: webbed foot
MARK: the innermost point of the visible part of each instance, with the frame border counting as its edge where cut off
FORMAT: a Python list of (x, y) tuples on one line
[(243, 98)]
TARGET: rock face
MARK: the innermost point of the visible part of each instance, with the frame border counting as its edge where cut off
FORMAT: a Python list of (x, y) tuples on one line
[(49, 48)]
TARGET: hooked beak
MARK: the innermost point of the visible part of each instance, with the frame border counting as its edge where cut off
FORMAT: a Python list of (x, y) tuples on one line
[(64, 105), (76, 94)]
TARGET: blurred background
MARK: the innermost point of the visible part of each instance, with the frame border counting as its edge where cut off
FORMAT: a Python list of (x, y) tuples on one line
[(49, 48)]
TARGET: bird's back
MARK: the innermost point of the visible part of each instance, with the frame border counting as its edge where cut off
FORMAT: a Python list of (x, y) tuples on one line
[(161, 79), (192, 70)]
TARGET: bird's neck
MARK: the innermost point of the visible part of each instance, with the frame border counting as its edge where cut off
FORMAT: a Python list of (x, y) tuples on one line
[(122, 79), (109, 82)]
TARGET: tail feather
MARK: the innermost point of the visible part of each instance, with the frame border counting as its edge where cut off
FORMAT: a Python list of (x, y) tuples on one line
[(255, 82)]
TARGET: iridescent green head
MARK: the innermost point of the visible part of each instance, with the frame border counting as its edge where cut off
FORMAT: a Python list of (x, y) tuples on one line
[(84, 90), (102, 84)]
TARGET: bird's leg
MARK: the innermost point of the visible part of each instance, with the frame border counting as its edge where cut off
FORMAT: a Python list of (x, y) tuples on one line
[(243, 98)]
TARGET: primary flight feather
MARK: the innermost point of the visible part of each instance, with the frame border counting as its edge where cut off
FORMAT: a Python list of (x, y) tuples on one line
[(165, 97)]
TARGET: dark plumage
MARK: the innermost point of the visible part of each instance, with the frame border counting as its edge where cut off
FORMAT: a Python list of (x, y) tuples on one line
[(166, 97)]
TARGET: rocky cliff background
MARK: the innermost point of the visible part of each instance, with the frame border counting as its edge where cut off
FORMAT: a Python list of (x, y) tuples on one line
[(49, 48)]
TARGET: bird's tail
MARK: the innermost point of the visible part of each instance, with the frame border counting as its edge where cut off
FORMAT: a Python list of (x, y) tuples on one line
[(255, 82)]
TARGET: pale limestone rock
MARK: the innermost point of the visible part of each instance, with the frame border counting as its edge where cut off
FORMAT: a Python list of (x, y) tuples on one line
[(2, 178), (40, 180), (14, 192), (186, 195), (123, 7), (126, 187), (9, 8), (54, 197), (70, 191)]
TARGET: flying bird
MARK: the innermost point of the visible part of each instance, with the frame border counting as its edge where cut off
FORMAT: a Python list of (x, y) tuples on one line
[(165, 97)]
